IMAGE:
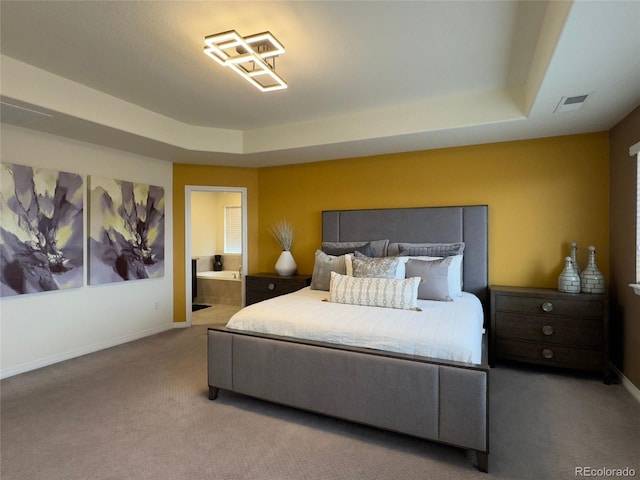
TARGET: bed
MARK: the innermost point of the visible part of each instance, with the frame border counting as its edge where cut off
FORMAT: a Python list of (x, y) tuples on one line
[(439, 399)]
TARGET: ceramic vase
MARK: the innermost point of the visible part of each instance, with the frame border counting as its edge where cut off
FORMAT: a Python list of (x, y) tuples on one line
[(286, 265), (591, 279), (574, 250), (569, 280)]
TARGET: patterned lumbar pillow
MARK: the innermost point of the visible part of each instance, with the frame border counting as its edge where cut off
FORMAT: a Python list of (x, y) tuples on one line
[(375, 291)]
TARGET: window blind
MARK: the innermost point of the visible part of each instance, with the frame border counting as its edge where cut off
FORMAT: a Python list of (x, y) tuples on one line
[(232, 230), (635, 151), (638, 219)]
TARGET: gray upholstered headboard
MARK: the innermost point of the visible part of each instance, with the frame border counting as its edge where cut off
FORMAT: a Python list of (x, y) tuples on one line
[(468, 224)]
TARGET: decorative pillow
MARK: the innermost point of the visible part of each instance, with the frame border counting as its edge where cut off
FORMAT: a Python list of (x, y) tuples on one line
[(386, 267), (376, 248), (333, 249), (322, 268), (436, 275), (375, 291), (393, 250), (399, 273), (431, 249), (348, 260), (455, 272)]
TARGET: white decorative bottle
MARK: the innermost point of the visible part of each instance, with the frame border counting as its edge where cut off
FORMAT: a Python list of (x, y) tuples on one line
[(569, 280), (574, 250), (591, 279)]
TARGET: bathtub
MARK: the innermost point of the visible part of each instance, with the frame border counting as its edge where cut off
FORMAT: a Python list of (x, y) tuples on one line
[(220, 275), (223, 287)]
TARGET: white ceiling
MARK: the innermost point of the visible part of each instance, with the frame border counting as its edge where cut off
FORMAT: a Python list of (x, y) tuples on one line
[(364, 77)]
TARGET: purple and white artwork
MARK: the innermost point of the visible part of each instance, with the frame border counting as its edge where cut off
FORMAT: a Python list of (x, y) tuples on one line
[(41, 230), (126, 223)]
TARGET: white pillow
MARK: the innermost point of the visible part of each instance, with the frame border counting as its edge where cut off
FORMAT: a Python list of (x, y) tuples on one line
[(348, 261), (455, 272), (375, 291)]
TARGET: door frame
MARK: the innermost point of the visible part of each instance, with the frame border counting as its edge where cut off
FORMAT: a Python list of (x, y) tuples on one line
[(188, 189)]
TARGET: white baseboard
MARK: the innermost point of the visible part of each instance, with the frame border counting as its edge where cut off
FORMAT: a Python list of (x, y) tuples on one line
[(44, 362), (626, 383)]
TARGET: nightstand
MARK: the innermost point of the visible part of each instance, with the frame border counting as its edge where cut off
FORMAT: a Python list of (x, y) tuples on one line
[(262, 286), (547, 327)]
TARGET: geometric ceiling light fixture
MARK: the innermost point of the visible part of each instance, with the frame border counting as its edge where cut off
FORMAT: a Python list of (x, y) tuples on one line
[(252, 57)]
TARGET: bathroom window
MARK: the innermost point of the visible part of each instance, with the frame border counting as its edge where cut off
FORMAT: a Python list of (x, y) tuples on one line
[(232, 230)]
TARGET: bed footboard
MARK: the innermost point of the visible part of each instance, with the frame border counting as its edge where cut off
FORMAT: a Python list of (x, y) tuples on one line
[(440, 401)]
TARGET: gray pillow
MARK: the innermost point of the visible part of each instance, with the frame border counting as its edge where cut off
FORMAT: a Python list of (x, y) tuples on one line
[(431, 249), (436, 275), (322, 268), (375, 248), (365, 249)]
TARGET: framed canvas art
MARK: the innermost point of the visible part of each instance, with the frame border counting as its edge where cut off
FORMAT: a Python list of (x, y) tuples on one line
[(126, 230), (41, 230)]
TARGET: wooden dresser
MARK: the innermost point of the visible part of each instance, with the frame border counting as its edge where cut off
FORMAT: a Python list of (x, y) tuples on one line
[(262, 286), (548, 327)]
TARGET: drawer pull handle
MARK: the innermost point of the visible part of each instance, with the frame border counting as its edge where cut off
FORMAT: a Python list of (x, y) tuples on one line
[(547, 353), (547, 306), (271, 286), (547, 330)]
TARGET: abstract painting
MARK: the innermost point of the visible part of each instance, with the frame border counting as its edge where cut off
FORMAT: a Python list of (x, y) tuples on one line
[(41, 229), (126, 224)]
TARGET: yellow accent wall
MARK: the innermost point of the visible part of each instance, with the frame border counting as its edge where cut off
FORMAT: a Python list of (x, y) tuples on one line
[(209, 176), (542, 194)]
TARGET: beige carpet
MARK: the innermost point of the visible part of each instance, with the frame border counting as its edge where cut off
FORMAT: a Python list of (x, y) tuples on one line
[(140, 411), (214, 314)]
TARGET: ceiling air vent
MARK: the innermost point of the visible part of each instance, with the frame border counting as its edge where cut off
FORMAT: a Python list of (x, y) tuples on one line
[(571, 104)]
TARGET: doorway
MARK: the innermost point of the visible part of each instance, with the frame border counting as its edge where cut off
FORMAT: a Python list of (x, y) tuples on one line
[(212, 251)]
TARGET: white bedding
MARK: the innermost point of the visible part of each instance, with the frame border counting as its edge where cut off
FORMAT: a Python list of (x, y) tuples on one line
[(445, 330)]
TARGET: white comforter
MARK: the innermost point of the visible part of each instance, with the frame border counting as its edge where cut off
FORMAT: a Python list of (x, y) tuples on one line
[(445, 330)]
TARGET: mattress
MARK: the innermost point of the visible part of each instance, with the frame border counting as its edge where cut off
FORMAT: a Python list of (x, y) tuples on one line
[(444, 330)]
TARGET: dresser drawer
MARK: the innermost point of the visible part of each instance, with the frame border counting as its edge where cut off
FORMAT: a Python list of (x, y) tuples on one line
[(585, 332), (549, 305), (549, 354)]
